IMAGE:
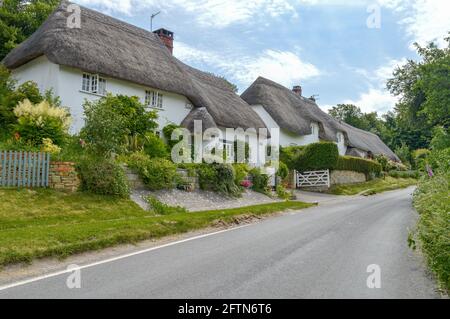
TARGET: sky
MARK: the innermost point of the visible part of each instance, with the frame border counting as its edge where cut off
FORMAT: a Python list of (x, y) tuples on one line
[(343, 51)]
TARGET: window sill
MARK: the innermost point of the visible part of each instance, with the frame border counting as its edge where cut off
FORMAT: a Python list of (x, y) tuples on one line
[(90, 93), (154, 108)]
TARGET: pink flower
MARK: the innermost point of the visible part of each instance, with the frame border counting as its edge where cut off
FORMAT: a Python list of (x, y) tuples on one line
[(246, 184)]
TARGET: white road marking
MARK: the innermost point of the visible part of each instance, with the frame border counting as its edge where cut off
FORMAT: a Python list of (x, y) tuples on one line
[(62, 272)]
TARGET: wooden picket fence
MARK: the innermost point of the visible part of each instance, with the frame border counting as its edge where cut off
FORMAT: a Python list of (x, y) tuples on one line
[(24, 169)]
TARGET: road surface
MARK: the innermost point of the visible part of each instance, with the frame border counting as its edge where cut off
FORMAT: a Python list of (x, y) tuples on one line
[(323, 252)]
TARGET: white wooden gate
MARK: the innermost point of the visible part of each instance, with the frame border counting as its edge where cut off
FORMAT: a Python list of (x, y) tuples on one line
[(313, 179)]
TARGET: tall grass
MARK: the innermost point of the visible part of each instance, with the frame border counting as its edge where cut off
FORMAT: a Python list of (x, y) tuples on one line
[(432, 201)]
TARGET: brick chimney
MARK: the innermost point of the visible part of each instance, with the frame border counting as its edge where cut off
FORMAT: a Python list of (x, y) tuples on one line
[(167, 38), (297, 90)]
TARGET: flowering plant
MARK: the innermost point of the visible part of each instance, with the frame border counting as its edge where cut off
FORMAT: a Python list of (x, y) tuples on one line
[(246, 184)]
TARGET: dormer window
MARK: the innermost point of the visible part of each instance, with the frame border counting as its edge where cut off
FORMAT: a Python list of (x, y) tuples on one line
[(93, 83), (154, 99)]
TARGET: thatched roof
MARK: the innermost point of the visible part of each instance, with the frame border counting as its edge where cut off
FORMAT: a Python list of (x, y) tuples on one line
[(108, 46), (199, 114), (295, 114)]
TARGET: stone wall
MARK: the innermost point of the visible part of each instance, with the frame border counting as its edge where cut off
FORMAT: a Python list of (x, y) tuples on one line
[(134, 180), (347, 177), (63, 176), (191, 183)]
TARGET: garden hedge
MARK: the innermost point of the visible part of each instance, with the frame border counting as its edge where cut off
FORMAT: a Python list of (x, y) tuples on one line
[(356, 164), (317, 156)]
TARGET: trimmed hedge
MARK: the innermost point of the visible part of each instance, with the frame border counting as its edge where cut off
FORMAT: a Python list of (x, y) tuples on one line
[(317, 156), (404, 174), (356, 164), (289, 155)]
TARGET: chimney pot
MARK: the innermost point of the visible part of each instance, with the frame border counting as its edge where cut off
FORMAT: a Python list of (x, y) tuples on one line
[(167, 38), (297, 90)]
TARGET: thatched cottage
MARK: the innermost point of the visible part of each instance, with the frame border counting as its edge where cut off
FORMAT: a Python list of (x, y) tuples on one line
[(301, 121), (106, 55)]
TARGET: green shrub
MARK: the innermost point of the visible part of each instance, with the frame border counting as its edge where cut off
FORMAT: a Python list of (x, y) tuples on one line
[(432, 201), (289, 155), (282, 193), (260, 181), (112, 121), (441, 138), (404, 174), (36, 122), (283, 171), (167, 132), (163, 209), (226, 180), (404, 153), (419, 158), (317, 156), (103, 177), (241, 172), (218, 178), (383, 161), (361, 165), (440, 160), (155, 147), (156, 173)]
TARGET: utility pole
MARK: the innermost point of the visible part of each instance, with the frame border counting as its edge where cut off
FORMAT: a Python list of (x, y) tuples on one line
[(151, 20)]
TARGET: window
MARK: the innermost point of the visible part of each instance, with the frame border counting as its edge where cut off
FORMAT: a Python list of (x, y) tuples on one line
[(86, 83), (228, 149), (313, 129), (154, 99), (101, 86), (93, 83)]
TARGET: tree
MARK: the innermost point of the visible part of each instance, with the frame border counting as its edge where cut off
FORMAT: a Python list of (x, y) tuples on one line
[(350, 114), (21, 18), (424, 91), (112, 119)]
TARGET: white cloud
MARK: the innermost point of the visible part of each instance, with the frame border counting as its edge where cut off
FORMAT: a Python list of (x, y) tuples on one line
[(284, 67), (211, 13), (424, 20), (374, 100), (383, 73), (377, 98)]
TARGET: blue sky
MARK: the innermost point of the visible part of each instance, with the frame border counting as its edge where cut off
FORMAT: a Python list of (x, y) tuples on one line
[(327, 46)]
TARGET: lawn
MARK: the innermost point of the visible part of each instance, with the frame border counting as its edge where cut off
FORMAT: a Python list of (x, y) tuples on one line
[(45, 223), (373, 187)]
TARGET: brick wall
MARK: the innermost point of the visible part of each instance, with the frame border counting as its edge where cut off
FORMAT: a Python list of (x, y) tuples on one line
[(63, 176)]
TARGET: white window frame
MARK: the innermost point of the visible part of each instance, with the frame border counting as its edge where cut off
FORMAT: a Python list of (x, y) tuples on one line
[(93, 84), (154, 99)]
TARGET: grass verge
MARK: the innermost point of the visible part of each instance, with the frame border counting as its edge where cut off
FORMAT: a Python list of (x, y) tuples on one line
[(45, 223), (432, 201), (373, 187)]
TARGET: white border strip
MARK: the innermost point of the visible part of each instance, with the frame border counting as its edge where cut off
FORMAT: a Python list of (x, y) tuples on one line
[(62, 272)]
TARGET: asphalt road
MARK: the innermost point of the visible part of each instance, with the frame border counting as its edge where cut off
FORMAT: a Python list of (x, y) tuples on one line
[(321, 252)]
